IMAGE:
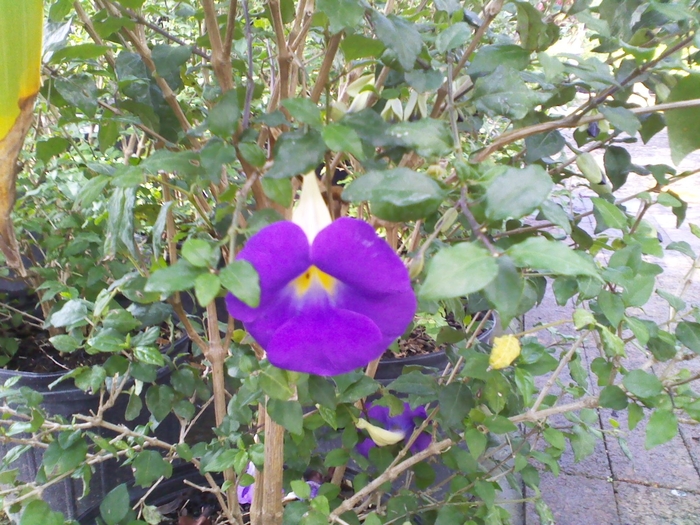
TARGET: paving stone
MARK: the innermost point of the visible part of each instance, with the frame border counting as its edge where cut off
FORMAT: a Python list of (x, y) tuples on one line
[(576, 500), (643, 505), (668, 465)]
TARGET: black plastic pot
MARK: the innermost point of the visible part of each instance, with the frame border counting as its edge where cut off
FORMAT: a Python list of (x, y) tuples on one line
[(390, 369), (65, 399)]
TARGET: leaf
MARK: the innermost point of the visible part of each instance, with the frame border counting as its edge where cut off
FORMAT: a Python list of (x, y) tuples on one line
[(176, 278), (517, 192), (622, 119), (612, 307), (343, 138), (303, 110), (206, 288), (149, 466), (608, 215), (169, 60), (39, 513), (661, 428), (342, 14), (279, 190), (115, 505), (683, 135), (396, 195), (455, 402), (454, 36), (241, 279), (74, 311), (79, 52), (429, 137), (688, 333), (214, 156), (223, 117), (79, 91), (414, 383), (504, 93), (555, 214), (535, 34), (275, 383), (506, 290), (197, 252), (539, 253), (458, 271), (296, 153), (358, 46), (488, 58), (618, 164), (543, 145), (288, 414), (159, 400), (120, 222), (613, 396), (642, 384), (505, 350), (400, 36)]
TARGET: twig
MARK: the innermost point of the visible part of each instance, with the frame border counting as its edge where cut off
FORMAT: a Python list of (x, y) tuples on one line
[(249, 72), (326, 66), (475, 227), (220, 62), (586, 402), (552, 379)]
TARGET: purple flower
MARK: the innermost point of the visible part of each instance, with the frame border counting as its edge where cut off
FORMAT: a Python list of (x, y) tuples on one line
[(245, 494), (387, 430), (331, 299)]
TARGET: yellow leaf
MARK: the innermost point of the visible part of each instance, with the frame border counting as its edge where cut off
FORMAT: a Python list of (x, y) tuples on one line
[(505, 350), (21, 25)]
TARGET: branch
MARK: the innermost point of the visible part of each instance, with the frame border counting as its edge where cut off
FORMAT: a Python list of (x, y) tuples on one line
[(220, 62), (475, 226), (529, 417), (571, 121), (284, 56), (326, 66)]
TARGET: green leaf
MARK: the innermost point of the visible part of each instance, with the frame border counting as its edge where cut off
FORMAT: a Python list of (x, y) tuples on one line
[(642, 384), (543, 145), (64, 343), (197, 252), (223, 117), (535, 34), (74, 311), (46, 149), (506, 290), (358, 46), (662, 427), (288, 414), (149, 354), (149, 466), (618, 164), (159, 400), (608, 215), (275, 383), (115, 505), (539, 253), (428, 137), (241, 279), (216, 154), (169, 60), (453, 37), (488, 58), (622, 119), (297, 153), (674, 301), (517, 192), (303, 110), (176, 278), (455, 402), (396, 195), (688, 333), (39, 513), (612, 307), (279, 190), (79, 91), (651, 125), (614, 397), (342, 14), (343, 138), (582, 442), (504, 93), (612, 344), (683, 135), (253, 154), (457, 271), (120, 222), (499, 425), (477, 442), (206, 288), (554, 213), (400, 36), (414, 383), (635, 414), (301, 488)]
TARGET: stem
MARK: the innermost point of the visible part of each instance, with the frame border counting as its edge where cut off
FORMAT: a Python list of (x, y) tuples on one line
[(272, 481), (220, 62)]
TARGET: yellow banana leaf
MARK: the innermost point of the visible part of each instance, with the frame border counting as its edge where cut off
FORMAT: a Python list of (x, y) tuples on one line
[(21, 23)]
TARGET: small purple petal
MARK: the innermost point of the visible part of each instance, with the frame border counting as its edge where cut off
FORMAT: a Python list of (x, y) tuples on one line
[(314, 488), (363, 447), (421, 443), (245, 494), (352, 252), (325, 341), (279, 253)]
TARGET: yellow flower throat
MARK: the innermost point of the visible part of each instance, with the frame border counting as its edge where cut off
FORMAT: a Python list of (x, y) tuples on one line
[(312, 277)]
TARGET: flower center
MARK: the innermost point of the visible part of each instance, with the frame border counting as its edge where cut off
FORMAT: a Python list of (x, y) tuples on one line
[(312, 278)]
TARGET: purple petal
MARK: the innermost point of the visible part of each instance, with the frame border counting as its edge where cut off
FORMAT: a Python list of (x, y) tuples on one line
[(351, 251), (363, 447), (325, 341), (279, 253), (392, 313), (314, 488), (421, 443)]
